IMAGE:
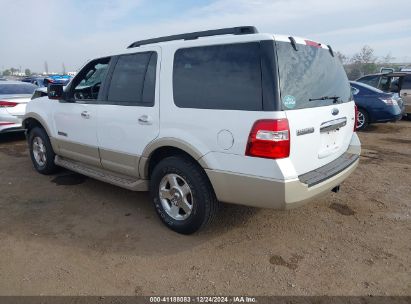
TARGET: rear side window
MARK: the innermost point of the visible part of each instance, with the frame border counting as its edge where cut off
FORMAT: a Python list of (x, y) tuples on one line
[(224, 77), (23, 88), (370, 80), (133, 80)]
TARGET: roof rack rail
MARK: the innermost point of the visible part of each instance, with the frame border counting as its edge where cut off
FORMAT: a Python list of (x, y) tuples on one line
[(238, 30)]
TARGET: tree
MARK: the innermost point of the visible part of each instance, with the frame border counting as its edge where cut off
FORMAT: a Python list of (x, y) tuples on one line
[(364, 61), (342, 57), (387, 59), (6, 73), (27, 72)]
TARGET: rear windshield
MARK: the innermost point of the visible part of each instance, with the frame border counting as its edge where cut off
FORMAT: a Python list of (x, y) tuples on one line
[(23, 88), (368, 87), (310, 73)]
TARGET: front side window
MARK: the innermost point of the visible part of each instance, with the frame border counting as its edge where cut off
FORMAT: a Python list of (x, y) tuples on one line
[(218, 77), (133, 80), (88, 83)]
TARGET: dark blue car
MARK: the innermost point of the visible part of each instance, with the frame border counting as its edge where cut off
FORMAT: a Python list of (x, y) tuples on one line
[(375, 105)]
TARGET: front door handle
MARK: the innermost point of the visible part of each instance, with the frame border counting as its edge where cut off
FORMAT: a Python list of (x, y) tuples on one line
[(85, 115), (144, 120)]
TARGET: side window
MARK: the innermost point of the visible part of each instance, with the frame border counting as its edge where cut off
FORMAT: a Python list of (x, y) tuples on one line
[(218, 77), (406, 83), (87, 85), (133, 80), (385, 83)]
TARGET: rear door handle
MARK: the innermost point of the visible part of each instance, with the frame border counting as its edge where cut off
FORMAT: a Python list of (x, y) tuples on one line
[(144, 120), (85, 115)]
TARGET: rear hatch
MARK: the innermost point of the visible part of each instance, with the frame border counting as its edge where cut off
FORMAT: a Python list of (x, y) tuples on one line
[(316, 97)]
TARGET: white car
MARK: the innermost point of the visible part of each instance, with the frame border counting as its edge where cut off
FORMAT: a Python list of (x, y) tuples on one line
[(229, 115), (14, 96)]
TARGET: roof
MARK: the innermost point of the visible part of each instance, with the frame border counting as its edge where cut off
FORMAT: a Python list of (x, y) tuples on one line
[(239, 33)]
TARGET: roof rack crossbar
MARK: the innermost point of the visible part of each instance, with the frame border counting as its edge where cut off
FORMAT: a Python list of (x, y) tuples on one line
[(239, 30)]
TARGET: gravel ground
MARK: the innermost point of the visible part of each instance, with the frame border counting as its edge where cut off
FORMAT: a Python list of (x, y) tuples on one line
[(71, 235)]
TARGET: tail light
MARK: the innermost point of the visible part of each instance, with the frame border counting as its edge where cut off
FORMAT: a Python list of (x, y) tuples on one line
[(7, 104), (355, 117), (389, 101), (269, 138)]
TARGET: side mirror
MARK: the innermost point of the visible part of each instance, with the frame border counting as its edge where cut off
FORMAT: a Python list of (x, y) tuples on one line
[(55, 91)]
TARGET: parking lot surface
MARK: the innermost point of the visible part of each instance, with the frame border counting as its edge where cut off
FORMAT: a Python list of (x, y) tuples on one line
[(67, 234)]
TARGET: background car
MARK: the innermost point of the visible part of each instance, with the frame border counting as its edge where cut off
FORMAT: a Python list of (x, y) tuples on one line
[(57, 79), (375, 105), (14, 96), (405, 93), (387, 82)]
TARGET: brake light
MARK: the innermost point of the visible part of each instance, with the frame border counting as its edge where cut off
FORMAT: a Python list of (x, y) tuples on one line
[(269, 138), (6, 123), (7, 104), (313, 43), (356, 117)]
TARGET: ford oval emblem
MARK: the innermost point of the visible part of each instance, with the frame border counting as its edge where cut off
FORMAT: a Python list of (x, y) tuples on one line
[(335, 111)]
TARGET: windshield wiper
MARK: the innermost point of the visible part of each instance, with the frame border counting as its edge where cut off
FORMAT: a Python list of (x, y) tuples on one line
[(334, 98)]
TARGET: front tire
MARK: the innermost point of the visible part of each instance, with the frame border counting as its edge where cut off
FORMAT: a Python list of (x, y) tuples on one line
[(362, 119), (41, 151), (182, 195)]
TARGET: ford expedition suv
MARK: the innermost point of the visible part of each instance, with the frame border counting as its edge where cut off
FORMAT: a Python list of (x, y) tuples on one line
[(228, 115)]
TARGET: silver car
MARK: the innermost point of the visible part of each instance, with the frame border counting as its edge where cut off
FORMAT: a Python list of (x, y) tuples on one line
[(14, 96)]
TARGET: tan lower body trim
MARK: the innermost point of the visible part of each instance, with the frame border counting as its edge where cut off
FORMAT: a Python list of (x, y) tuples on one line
[(79, 152), (120, 162)]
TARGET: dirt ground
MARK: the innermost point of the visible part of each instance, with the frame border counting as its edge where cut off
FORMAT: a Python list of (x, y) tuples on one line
[(71, 235)]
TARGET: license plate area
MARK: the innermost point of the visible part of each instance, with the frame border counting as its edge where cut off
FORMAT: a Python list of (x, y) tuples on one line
[(329, 143)]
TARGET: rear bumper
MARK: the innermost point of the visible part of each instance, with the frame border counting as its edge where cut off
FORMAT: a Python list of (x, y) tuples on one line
[(268, 193), (387, 114)]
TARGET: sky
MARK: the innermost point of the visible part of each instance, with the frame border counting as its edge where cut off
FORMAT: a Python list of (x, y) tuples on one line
[(74, 31)]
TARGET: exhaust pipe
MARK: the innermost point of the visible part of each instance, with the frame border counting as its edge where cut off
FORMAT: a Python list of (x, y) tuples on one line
[(336, 189)]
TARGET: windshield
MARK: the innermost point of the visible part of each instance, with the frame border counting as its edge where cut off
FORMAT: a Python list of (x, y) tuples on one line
[(17, 88), (310, 77)]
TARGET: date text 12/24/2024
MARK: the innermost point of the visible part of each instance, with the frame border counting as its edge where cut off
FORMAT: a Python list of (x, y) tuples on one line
[(203, 299)]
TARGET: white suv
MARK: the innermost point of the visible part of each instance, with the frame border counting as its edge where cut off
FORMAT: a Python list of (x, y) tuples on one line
[(229, 115)]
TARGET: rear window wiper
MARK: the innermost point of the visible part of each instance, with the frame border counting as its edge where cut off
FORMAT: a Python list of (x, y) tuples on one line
[(334, 98)]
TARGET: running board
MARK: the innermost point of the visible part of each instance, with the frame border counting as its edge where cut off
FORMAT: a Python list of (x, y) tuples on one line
[(127, 182)]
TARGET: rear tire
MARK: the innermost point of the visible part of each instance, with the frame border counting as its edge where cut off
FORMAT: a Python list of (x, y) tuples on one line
[(182, 195), (362, 119), (41, 151)]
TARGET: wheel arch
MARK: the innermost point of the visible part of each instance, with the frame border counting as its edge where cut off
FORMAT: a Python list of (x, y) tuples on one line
[(166, 147), (368, 113), (32, 120)]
